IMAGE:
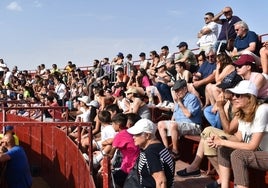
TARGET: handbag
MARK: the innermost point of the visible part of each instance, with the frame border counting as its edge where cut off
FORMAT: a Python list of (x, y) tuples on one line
[(132, 180)]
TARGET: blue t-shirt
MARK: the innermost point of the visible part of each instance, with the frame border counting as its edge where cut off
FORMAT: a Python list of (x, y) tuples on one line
[(228, 25), (206, 69), (243, 43), (18, 173), (192, 103)]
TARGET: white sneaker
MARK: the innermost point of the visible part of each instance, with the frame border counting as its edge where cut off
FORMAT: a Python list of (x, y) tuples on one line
[(86, 157), (164, 104), (159, 104), (171, 105)]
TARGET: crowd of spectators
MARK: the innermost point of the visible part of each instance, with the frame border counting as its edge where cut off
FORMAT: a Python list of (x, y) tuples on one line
[(114, 95)]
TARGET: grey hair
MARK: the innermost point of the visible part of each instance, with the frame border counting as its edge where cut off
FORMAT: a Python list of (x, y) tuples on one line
[(242, 24)]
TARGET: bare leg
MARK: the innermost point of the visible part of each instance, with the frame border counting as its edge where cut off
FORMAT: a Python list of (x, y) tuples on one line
[(163, 132), (174, 136), (214, 161), (264, 59), (225, 176), (198, 157)]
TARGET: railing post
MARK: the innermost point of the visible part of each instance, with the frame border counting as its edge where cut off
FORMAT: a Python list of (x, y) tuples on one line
[(106, 173)]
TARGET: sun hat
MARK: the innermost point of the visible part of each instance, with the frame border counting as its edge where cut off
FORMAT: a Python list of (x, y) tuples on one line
[(131, 90)]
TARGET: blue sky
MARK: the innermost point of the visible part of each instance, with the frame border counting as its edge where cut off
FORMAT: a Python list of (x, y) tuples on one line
[(56, 31)]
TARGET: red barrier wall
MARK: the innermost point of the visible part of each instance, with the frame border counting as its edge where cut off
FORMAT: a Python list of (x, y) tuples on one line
[(51, 153)]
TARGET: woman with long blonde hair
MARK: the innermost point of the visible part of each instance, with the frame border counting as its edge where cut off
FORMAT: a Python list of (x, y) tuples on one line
[(242, 150)]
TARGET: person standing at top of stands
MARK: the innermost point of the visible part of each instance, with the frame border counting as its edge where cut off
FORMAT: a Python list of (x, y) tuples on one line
[(106, 66), (165, 54), (227, 28), (55, 69), (42, 69), (129, 63), (2, 68), (17, 171), (246, 42), (144, 63), (207, 36), (186, 56), (60, 90), (118, 61), (155, 59)]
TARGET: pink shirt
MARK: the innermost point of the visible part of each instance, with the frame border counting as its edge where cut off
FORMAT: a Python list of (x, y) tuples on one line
[(145, 81), (124, 142)]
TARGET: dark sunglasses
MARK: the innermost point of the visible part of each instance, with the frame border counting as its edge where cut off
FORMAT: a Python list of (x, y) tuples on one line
[(237, 95), (210, 56)]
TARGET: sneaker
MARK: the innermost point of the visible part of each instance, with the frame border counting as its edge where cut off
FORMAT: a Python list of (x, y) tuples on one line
[(164, 104), (171, 105), (86, 157), (184, 173), (96, 162)]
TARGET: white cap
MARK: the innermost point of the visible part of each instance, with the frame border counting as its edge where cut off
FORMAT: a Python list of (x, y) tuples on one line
[(245, 87), (93, 103), (143, 125), (84, 99)]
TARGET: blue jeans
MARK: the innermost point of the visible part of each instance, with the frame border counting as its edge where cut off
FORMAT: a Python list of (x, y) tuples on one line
[(164, 91), (213, 119)]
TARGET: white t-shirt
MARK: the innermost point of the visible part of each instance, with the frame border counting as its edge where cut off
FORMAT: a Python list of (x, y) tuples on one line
[(210, 38), (60, 90), (259, 124), (107, 132)]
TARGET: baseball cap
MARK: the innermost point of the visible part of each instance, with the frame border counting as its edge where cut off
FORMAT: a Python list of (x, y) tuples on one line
[(245, 87), (94, 103), (84, 99), (179, 84), (143, 125), (120, 54), (182, 44), (230, 81), (142, 54), (245, 59), (9, 128)]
